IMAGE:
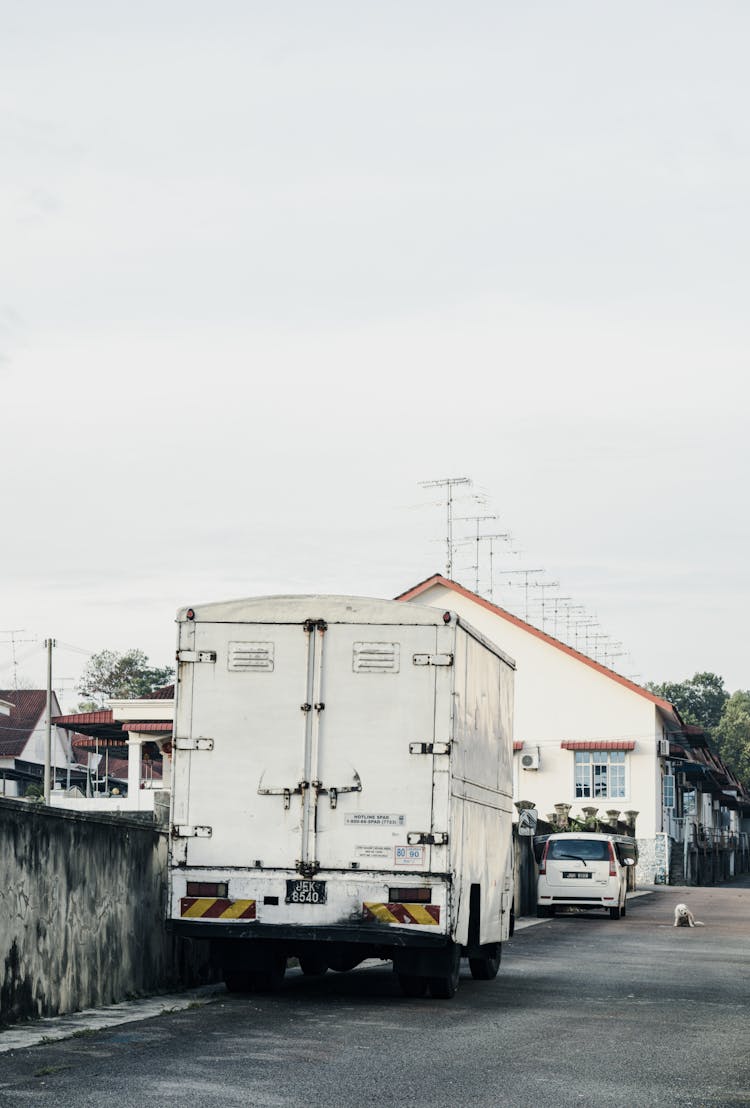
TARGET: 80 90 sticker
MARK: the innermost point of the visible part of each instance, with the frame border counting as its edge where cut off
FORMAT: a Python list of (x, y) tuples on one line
[(408, 855)]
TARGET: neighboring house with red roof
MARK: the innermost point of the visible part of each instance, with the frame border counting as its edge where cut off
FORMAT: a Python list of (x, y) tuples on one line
[(126, 740), (22, 741), (584, 735)]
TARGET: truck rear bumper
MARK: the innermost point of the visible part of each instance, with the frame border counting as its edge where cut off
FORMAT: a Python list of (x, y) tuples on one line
[(379, 935)]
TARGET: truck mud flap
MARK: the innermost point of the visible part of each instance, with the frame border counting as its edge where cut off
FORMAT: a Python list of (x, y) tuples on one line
[(377, 935)]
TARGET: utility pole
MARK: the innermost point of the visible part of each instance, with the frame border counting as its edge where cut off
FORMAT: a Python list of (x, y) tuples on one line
[(48, 643), (447, 483)]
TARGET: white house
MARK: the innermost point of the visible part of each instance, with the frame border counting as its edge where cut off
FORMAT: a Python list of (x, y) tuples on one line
[(587, 736)]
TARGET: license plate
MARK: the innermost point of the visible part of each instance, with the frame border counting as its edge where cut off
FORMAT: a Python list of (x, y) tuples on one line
[(577, 874), (305, 892)]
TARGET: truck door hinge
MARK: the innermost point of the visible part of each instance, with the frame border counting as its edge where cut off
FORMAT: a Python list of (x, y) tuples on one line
[(428, 838), (429, 748), (196, 655), (311, 625), (193, 744), (433, 659), (185, 831)]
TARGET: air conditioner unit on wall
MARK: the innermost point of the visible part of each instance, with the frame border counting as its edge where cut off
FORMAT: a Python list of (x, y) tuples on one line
[(662, 748), (530, 758)]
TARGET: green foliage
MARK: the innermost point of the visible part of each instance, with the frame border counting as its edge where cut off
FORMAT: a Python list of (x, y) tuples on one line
[(109, 675), (700, 700), (732, 735)]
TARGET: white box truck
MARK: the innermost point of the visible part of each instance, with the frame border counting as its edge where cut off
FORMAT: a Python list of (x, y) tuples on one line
[(341, 790)]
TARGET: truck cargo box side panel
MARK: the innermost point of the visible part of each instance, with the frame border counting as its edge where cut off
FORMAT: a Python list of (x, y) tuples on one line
[(482, 786)]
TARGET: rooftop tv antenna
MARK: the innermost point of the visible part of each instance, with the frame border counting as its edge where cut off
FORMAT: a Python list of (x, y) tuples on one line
[(13, 642), (447, 483), (492, 539), (477, 520), (527, 573)]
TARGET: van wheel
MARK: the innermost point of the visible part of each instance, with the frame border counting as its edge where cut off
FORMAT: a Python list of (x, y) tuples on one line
[(615, 913), (543, 912), (411, 985), (624, 909), (486, 966), (444, 987)]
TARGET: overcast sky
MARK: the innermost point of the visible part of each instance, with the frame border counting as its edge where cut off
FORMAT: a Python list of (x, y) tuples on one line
[(265, 267)]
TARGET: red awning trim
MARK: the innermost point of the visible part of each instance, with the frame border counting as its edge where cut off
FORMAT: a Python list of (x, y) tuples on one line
[(598, 744)]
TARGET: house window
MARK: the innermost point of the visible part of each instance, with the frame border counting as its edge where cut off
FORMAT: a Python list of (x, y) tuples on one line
[(668, 790), (600, 774)]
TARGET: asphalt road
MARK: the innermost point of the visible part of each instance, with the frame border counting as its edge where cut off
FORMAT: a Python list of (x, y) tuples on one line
[(585, 1011)]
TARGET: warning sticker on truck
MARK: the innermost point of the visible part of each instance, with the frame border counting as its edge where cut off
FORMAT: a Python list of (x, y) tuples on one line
[(369, 819), (381, 852)]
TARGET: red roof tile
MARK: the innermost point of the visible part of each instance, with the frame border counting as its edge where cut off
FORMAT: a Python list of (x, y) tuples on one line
[(598, 744), (29, 706)]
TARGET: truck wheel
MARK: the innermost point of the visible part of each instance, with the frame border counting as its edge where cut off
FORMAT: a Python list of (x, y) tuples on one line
[(412, 985), (444, 987), (543, 912), (238, 981), (268, 979), (485, 967), (624, 909), (615, 913), (313, 965)]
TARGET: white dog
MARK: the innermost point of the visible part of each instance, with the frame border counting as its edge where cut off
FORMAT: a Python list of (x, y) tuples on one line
[(683, 917)]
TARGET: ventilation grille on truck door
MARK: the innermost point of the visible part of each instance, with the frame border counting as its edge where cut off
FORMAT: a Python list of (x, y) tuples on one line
[(251, 656), (376, 657)]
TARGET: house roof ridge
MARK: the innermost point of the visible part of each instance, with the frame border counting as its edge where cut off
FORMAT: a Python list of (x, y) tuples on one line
[(454, 586)]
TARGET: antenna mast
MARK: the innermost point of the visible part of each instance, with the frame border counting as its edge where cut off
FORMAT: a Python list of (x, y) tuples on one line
[(447, 483)]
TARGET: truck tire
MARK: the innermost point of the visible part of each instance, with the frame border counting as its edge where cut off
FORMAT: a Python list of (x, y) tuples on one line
[(238, 981), (486, 965), (411, 985), (615, 913), (543, 912), (443, 986), (313, 965), (268, 979)]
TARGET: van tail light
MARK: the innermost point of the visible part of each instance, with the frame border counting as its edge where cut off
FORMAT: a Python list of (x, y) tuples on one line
[(612, 867), (543, 862)]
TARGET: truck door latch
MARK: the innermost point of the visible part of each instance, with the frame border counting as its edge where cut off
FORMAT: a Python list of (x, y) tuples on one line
[(196, 655), (432, 659), (429, 748), (185, 831), (428, 838)]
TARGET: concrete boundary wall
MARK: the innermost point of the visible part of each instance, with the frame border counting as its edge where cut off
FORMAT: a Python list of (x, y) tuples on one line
[(82, 913)]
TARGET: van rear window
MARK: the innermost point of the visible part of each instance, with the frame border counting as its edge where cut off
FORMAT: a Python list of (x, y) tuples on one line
[(592, 850)]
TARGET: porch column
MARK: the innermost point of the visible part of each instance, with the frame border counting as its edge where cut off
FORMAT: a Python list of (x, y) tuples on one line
[(135, 744)]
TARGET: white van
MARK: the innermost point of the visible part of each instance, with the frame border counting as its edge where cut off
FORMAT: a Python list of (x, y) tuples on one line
[(584, 870)]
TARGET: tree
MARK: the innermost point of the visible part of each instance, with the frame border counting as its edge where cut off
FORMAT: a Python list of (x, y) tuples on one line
[(732, 735), (700, 700), (109, 675)]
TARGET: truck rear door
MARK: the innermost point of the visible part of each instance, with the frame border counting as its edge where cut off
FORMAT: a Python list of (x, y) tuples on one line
[(305, 747)]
